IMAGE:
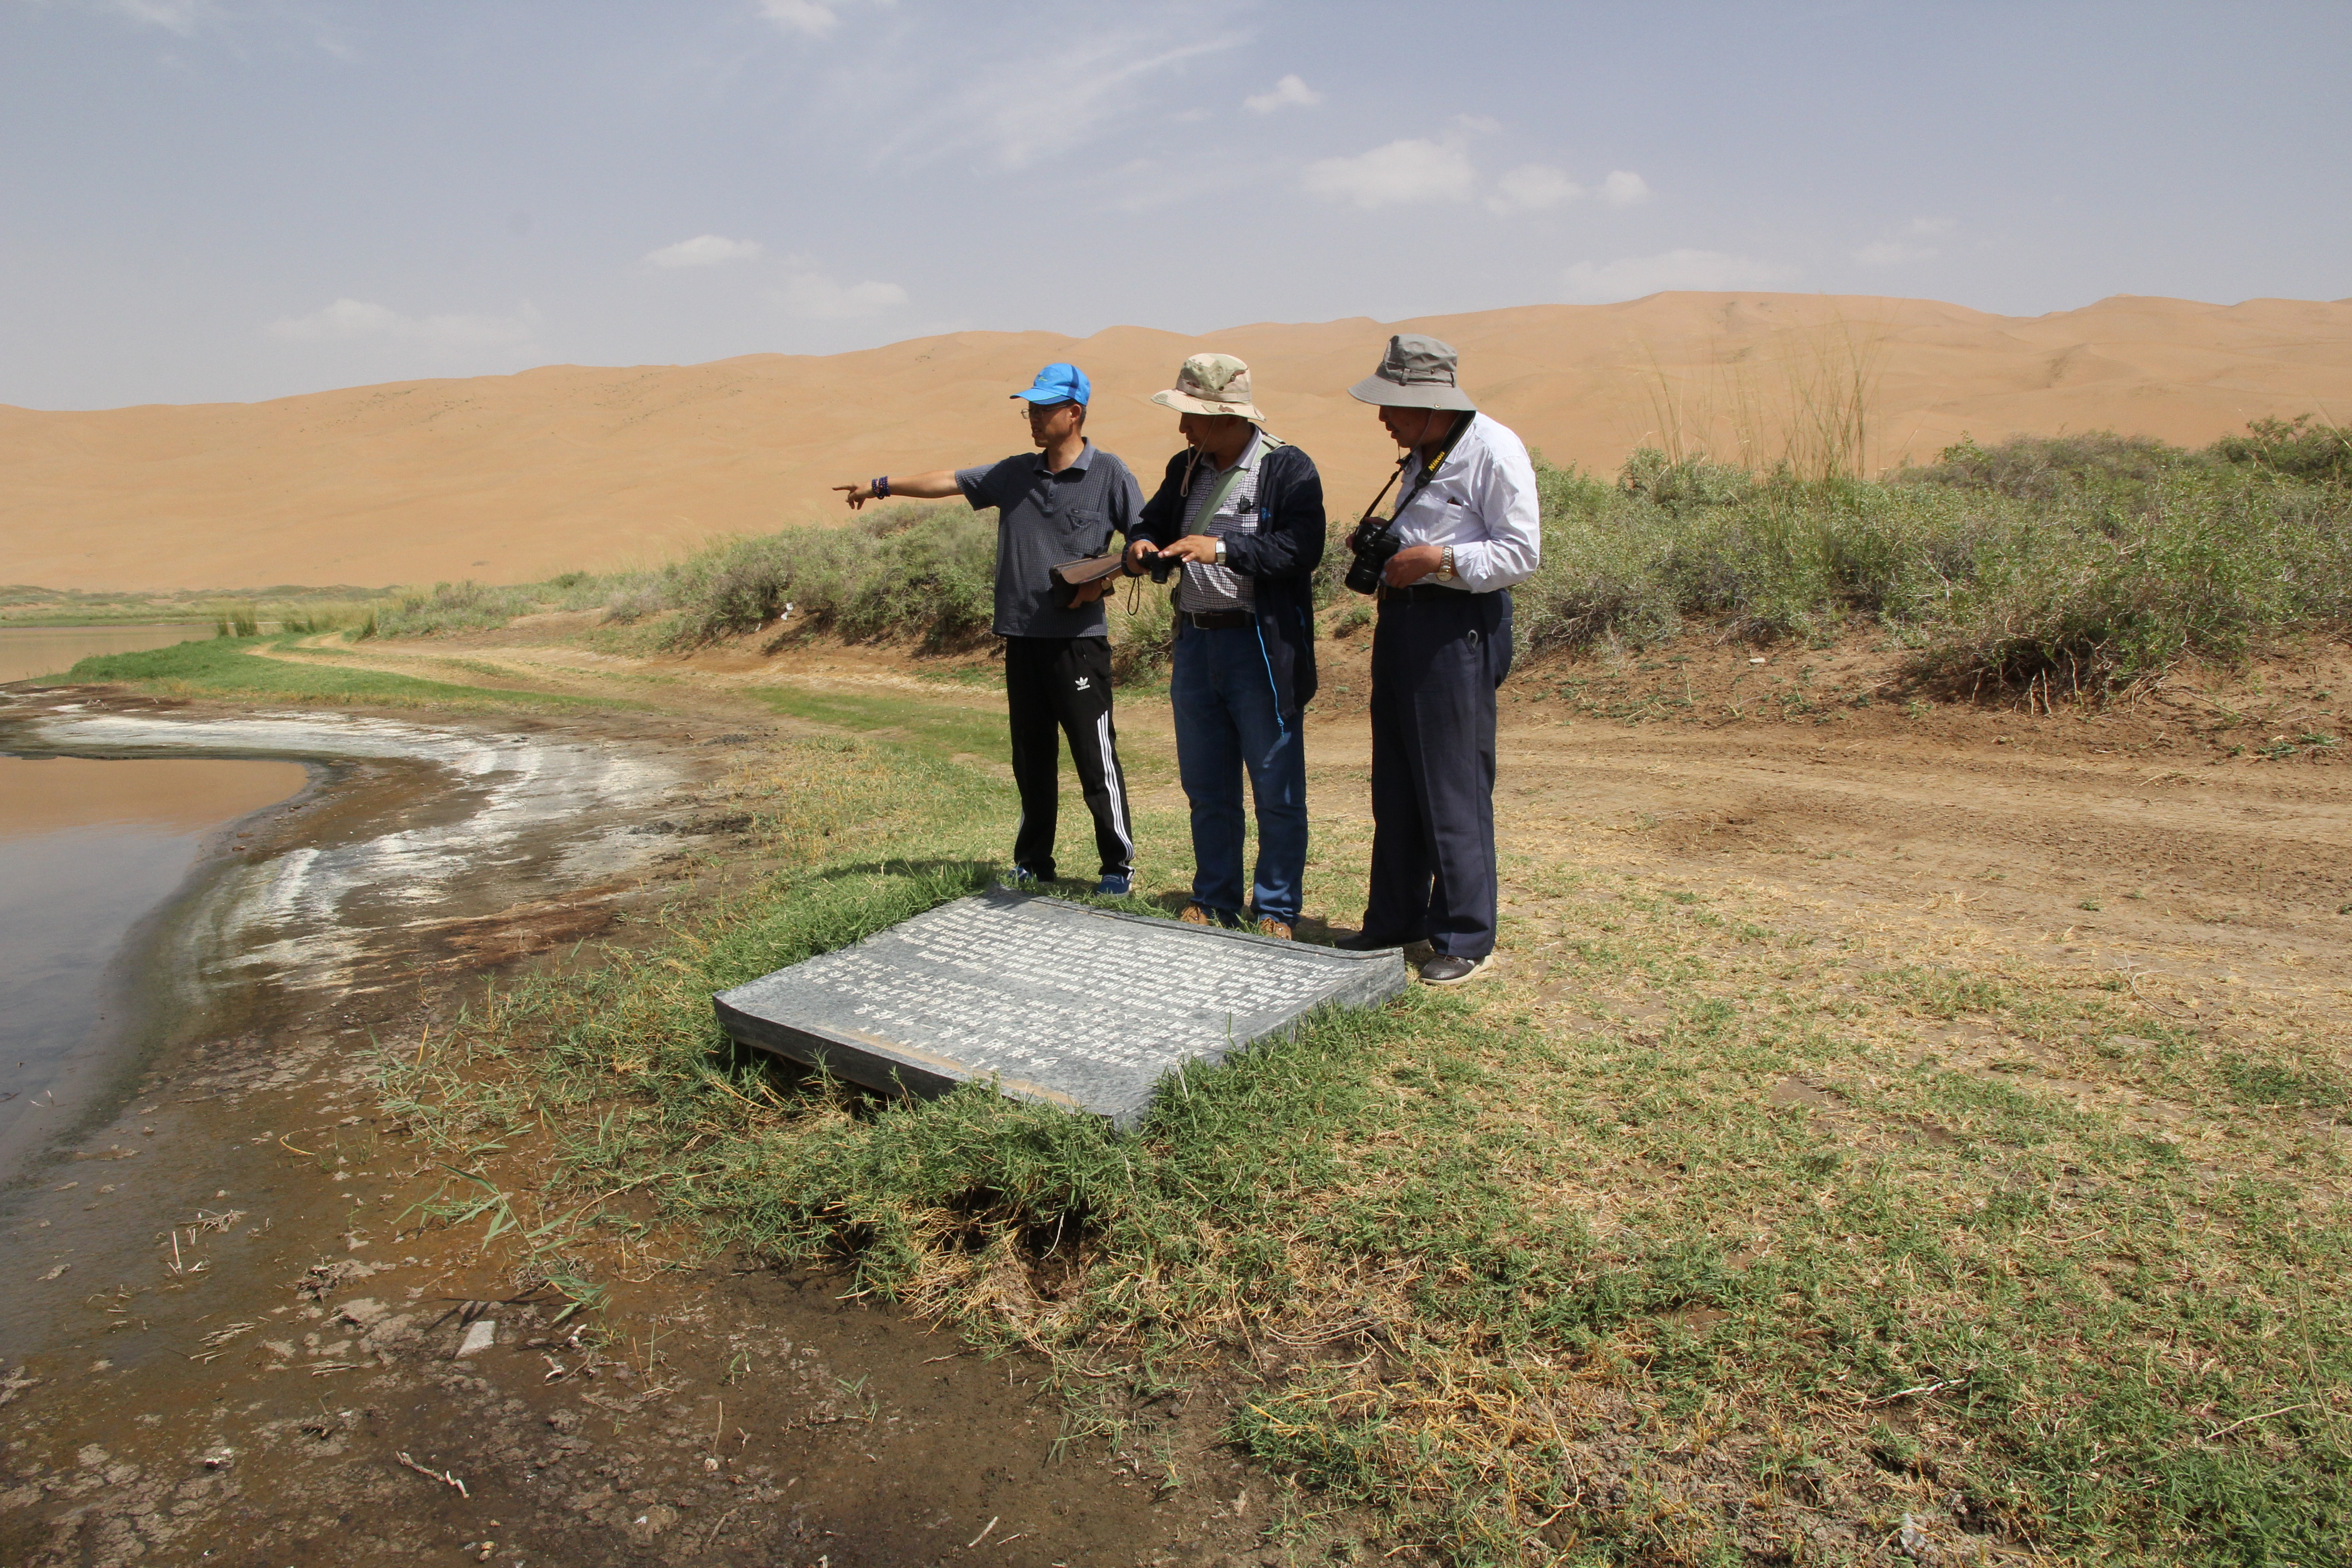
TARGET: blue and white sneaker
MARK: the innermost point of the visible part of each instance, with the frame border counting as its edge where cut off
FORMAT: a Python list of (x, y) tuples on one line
[(1020, 880), (1115, 886)]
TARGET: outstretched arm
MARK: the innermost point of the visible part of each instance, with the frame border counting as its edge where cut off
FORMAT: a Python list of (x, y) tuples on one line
[(937, 485)]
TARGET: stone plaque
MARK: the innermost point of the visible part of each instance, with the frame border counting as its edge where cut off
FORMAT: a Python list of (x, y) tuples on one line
[(1053, 1001)]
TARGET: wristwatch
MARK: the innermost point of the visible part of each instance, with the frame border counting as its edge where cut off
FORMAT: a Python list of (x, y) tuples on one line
[(1221, 553), (1445, 563)]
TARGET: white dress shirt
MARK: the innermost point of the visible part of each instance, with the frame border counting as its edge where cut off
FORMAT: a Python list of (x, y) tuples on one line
[(1482, 501)]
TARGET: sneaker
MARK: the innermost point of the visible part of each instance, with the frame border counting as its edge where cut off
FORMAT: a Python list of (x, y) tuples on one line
[(1115, 885), (1197, 915), (1445, 969), (1268, 926), (1020, 880)]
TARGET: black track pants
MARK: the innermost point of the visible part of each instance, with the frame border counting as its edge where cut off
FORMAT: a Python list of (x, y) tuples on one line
[(1053, 685), (1436, 662)]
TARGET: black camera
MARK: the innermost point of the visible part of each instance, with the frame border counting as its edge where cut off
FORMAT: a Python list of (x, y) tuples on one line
[(1373, 542), (1163, 565)]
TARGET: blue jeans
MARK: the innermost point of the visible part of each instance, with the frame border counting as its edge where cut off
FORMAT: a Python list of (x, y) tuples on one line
[(1227, 724)]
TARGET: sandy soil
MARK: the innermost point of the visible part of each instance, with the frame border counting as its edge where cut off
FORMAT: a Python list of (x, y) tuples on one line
[(510, 478), (2195, 842)]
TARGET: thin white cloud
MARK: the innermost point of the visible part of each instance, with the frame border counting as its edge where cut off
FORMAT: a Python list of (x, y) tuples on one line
[(1532, 187), (1290, 92), (704, 250), (814, 297), (181, 16), (359, 321), (1907, 246), (1631, 277), (816, 18), (1026, 102), (1405, 171), (1624, 188)]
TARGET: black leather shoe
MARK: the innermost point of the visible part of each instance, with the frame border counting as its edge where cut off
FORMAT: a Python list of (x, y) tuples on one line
[(1444, 969), (1364, 943)]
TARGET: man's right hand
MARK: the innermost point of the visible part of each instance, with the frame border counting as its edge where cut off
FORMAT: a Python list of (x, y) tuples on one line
[(856, 495)]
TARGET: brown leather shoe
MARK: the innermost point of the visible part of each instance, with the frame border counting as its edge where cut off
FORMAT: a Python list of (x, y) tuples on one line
[(1269, 926), (1194, 915)]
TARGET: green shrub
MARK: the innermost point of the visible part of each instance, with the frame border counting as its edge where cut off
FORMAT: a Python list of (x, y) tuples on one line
[(2091, 561), (2045, 468), (2291, 447)]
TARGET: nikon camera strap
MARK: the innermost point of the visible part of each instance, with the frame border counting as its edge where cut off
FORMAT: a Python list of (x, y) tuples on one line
[(1428, 471)]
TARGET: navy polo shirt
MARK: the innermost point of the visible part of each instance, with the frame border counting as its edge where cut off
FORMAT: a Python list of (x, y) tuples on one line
[(1044, 518)]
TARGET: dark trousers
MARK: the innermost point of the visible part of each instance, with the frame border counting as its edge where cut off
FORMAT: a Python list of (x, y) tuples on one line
[(1436, 661), (1053, 685)]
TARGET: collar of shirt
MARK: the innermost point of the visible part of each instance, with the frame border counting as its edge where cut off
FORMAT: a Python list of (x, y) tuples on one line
[(1247, 463), (1078, 465)]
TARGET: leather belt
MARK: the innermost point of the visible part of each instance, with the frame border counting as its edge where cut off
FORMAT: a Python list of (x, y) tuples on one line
[(1422, 592), (1219, 620)]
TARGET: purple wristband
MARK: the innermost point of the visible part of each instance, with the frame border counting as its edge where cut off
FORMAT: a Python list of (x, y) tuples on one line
[(882, 487)]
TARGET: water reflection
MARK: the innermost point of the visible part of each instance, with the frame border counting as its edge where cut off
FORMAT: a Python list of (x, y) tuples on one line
[(28, 651), (87, 848)]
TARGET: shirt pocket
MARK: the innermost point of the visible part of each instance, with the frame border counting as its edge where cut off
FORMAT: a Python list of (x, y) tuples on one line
[(1086, 530)]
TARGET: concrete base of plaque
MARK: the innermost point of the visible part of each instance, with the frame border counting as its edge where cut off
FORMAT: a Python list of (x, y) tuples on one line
[(1051, 1001)]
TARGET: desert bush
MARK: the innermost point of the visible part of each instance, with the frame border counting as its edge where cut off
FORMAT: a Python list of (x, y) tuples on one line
[(2295, 448), (2046, 468), (921, 574), (2087, 599), (471, 606), (2092, 562)]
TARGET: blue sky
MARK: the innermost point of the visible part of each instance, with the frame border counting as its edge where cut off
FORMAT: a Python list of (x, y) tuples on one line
[(235, 199)]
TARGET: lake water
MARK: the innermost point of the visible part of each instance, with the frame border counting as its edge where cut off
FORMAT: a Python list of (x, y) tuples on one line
[(28, 651), (88, 849)]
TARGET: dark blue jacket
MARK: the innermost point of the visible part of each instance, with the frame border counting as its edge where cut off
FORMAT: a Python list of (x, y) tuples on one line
[(1279, 560)]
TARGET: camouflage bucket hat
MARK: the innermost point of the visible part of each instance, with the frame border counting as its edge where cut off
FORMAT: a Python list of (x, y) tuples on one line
[(1211, 383)]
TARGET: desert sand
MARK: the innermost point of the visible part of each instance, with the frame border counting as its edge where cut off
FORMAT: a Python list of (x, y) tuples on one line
[(513, 477)]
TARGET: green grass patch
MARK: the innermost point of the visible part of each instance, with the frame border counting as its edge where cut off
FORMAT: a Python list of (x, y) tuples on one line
[(234, 667), (937, 727), (1533, 1287)]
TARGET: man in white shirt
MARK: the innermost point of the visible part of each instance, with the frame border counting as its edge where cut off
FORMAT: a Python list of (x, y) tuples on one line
[(1467, 530)]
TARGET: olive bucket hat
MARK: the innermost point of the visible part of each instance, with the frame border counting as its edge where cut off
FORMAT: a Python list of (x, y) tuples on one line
[(1211, 383), (1416, 373)]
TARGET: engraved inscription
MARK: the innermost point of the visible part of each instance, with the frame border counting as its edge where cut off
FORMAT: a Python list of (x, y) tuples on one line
[(1070, 1000)]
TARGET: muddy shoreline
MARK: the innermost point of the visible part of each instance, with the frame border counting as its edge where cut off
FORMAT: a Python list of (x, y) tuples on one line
[(230, 1340)]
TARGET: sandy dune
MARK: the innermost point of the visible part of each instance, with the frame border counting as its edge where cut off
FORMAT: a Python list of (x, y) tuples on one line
[(509, 477)]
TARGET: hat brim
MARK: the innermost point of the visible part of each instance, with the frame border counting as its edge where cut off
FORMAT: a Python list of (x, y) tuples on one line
[(1185, 403), (1389, 395), (1038, 397)]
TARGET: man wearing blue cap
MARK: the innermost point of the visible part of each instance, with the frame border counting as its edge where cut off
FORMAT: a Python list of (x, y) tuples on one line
[(1060, 504)]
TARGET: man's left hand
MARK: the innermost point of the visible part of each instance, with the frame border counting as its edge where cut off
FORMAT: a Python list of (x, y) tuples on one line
[(1412, 563)]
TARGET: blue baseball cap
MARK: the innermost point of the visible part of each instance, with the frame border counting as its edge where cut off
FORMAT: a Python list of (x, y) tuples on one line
[(1060, 384)]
